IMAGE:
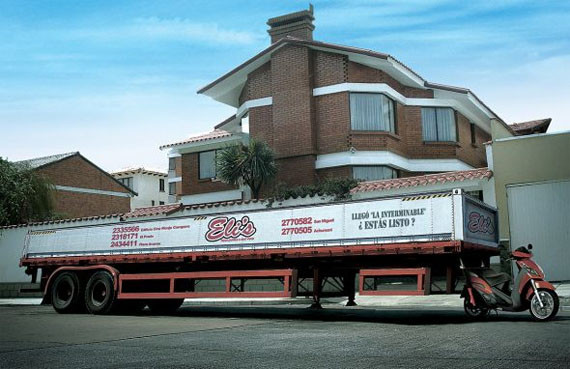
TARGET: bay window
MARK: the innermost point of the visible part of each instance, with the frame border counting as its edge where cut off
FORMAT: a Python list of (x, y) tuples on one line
[(372, 173), (371, 112), (438, 124)]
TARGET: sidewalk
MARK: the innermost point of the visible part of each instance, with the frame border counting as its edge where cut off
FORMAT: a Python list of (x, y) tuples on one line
[(430, 301)]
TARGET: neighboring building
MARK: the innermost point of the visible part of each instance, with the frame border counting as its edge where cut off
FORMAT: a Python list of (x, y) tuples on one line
[(532, 190), (531, 127), (150, 185), (332, 110), (81, 188)]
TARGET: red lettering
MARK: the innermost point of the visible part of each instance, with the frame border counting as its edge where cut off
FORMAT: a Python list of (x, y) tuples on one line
[(229, 228)]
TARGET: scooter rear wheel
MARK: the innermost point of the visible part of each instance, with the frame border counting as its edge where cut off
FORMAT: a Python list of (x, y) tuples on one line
[(550, 305), (474, 312)]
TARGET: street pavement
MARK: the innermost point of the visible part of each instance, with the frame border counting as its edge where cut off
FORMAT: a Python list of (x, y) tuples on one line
[(281, 337)]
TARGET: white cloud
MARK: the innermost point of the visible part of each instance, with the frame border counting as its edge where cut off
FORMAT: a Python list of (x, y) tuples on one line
[(153, 28)]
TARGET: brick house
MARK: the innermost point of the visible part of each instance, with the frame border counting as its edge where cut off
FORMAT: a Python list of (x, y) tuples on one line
[(333, 110), (81, 188)]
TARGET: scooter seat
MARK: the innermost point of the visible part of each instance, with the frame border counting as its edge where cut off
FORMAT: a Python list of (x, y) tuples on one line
[(495, 278)]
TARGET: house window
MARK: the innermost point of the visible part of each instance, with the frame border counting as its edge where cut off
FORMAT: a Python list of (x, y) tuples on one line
[(439, 124), (127, 181), (152, 202), (171, 163), (371, 112), (245, 123), (161, 185), (473, 139), (161, 203), (372, 173), (207, 164), (172, 188)]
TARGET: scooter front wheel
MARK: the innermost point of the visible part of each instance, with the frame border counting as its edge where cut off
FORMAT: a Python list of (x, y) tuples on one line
[(475, 312), (549, 308)]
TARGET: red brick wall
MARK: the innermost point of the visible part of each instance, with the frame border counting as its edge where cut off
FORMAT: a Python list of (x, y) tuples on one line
[(332, 122), (77, 172), (329, 69), (359, 73), (191, 184), (261, 124), (471, 154), (76, 204), (297, 171), (258, 84), (291, 86)]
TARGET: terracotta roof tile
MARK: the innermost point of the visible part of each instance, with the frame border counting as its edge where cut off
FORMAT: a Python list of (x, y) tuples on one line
[(153, 210), (215, 134), (220, 203), (531, 126), (458, 176)]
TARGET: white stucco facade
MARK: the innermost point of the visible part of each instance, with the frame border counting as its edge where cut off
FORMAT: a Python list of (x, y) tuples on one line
[(147, 184)]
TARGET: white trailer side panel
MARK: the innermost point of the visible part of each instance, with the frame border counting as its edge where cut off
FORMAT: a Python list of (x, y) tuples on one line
[(539, 213), (419, 219)]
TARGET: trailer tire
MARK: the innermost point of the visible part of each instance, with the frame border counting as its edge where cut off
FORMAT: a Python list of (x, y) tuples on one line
[(164, 306), (66, 294), (100, 297)]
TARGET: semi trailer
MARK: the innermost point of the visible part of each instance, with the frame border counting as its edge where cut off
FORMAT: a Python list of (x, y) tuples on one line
[(226, 251)]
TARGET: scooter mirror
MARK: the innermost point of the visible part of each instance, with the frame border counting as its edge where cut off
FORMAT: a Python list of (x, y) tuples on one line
[(530, 246)]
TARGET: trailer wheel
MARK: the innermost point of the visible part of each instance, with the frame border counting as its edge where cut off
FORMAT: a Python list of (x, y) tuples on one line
[(66, 294), (100, 293), (164, 306)]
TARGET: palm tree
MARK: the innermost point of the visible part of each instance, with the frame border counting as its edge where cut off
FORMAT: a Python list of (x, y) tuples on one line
[(253, 165)]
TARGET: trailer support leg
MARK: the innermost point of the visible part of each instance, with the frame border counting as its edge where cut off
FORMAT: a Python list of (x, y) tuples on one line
[(349, 288), (316, 289), (450, 280)]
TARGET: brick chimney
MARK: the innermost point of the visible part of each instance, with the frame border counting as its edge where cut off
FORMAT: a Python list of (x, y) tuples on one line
[(298, 24)]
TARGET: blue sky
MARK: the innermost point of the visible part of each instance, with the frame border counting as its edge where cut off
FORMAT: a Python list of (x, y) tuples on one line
[(116, 79)]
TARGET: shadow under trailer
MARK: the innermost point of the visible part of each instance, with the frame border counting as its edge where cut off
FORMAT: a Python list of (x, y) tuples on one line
[(325, 249)]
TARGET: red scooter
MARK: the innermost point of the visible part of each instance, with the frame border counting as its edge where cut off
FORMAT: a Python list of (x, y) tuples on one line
[(487, 290)]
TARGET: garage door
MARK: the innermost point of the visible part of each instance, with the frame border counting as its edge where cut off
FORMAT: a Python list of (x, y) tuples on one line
[(539, 213)]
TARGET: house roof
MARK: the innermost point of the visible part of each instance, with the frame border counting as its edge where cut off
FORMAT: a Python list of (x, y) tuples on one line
[(531, 126), (459, 176), (45, 160), (226, 88), (215, 134), (130, 171), (37, 163), (220, 125), (153, 210)]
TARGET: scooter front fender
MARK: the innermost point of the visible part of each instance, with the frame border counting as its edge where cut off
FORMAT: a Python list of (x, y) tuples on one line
[(539, 284)]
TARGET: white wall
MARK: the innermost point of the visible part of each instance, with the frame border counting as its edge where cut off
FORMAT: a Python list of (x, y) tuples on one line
[(12, 245), (147, 187)]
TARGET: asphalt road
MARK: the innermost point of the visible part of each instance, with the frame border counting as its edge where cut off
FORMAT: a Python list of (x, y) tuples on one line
[(280, 337)]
